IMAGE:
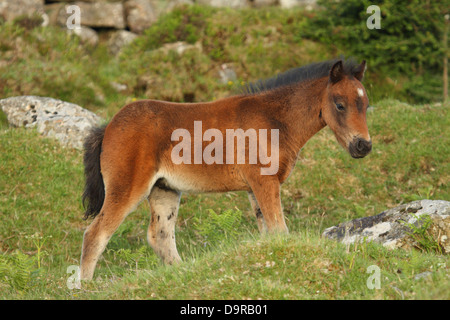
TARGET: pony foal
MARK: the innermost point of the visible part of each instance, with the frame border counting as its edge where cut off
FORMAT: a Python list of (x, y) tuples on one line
[(132, 158)]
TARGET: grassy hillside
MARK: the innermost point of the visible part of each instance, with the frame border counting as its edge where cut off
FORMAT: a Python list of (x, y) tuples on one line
[(42, 227), (254, 43)]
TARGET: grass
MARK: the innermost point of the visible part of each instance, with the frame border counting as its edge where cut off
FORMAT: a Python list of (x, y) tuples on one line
[(42, 227)]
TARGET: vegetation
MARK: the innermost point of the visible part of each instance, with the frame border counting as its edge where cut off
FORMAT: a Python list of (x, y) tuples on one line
[(224, 255), (407, 50), (255, 43)]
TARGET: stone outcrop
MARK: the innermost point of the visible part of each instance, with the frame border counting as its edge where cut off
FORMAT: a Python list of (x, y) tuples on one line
[(140, 14), (393, 228), (134, 15), (64, 121), (12, 9), (119, 39), (117, 20)]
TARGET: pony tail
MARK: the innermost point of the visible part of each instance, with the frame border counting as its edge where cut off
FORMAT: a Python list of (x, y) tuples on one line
[(94, 189)]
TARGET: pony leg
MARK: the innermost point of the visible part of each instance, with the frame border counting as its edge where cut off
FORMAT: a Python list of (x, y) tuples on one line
[(116, 207), (267, 193), (164, 204), (257, 212)]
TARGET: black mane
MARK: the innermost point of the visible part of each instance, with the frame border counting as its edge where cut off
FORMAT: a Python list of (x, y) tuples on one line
[(296, 75)]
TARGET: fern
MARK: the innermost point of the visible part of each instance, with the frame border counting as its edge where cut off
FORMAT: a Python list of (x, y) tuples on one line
[(218, 226), (424, 241), (142, 258), (17, 270)]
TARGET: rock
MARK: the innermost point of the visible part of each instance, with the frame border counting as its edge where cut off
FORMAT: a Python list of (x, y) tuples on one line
[(391, 228), (119, 39), (94, 14), (180, 47), (225, 3), (307, 4), (119, 87), (87, 35), (12, 9), (67, 122), (422, 275), (227, 74), (140, 14), (263, 3), (55, 11)]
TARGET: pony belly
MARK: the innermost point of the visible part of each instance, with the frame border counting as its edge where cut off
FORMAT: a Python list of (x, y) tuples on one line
[(198, 179)]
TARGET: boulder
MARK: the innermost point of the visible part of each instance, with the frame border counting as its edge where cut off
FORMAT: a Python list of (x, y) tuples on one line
[(393, 228), (87, 35), (180, 47), (264, 3), (118, 39), (92, 14), (307, 4), (225, 3), (12, 9), (64, 121), (227, 74), (140, 14)]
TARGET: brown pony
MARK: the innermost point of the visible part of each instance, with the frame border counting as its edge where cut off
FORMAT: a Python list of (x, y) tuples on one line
[(132, 158)]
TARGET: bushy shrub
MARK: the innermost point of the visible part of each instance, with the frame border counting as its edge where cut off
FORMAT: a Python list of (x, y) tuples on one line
[(408, 45)]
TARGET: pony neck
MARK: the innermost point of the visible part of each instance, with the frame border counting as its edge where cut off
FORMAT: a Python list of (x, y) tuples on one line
[(299, 108)]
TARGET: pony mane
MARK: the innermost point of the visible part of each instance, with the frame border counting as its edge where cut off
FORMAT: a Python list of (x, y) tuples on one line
[(308, 72)]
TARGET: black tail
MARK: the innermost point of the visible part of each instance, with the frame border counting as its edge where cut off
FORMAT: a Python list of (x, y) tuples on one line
[(94, 190)]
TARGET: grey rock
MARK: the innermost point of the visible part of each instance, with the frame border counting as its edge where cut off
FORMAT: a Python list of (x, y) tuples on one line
[(92, 14), (87, 35), (180, 47), (140, 14), (225, 3), (227, 73), (64, 121), (264, 3), (119, 87), (422, 275), (307, 4), (11, 9), (391, 227), (120, 39)]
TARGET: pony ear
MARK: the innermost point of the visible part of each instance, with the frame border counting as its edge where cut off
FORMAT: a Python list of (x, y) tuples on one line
[(358, 72), (337, 72)]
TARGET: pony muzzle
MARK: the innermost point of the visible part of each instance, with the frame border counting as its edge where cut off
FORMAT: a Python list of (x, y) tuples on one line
[(359, 148)]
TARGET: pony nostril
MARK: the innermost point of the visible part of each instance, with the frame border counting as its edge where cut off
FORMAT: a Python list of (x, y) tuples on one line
[(360, 145), (363, 146)]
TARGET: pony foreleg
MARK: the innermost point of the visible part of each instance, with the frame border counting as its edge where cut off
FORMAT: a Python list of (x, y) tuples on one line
[(164, 204), (266, 190), (262, 227)]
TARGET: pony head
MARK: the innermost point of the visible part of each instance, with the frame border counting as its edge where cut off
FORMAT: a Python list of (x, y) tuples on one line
[(344, 108)]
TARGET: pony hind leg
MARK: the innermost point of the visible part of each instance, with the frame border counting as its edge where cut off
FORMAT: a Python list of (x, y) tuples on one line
[(164, 204), (120, 200)]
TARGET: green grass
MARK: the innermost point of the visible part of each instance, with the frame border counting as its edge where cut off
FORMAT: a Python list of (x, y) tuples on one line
[(40, 200)]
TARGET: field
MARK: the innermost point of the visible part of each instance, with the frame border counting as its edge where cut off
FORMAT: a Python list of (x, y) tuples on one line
[(224, 256)]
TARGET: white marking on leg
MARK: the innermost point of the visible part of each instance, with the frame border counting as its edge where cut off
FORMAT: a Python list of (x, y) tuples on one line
[(161, 233)]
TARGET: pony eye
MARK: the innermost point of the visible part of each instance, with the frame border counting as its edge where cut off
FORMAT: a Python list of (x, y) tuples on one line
[(340, 107)]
